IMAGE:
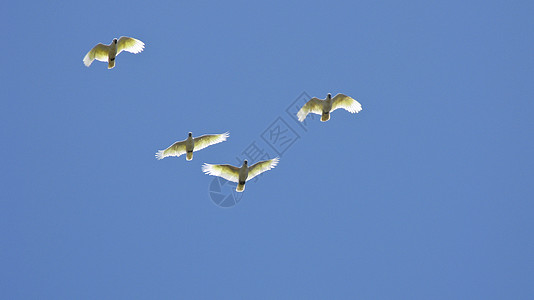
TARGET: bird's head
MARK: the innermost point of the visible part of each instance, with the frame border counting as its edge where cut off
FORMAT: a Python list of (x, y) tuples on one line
[(245, 162), (190, 134), (114, 41), (329, 96)]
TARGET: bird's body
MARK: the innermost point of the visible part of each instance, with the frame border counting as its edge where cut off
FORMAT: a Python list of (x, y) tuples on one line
[(189, 147), (112, 54), (327, 106), (240, 175), (242, 178), (324, 107), (191, 144), (108, 53)]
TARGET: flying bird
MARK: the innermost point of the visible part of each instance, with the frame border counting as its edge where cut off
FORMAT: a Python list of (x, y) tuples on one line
[(328, 105), (240, 175), (107, 53), (191, 144)]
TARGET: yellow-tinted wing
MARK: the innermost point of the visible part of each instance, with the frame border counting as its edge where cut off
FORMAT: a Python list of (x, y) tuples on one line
[(315, 105), (261, 167), (227, 172), (204, 141), (99, 52), (129, 44), (175, 149), (346, 102)]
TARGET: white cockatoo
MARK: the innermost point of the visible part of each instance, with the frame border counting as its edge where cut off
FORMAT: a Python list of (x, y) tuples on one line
[(191, 144), (324, 107), (240, 175), (108, 53)]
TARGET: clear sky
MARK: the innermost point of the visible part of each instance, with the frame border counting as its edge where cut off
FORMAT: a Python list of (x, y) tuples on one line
[(425, 194)]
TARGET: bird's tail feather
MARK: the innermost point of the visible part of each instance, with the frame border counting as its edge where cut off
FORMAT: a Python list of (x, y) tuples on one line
[(189, 155), (111, 64), (325, 117), (240, 187)]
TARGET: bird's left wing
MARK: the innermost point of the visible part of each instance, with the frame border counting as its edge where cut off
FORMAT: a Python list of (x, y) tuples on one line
[(346, 102), (204, 141), (260, 167), (99, 52), (129, 44), (227, 172)]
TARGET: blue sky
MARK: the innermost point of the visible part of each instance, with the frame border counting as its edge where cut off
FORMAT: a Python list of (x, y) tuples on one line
[(425, 194)]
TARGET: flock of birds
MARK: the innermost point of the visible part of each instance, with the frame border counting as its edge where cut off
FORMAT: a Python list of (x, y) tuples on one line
[(240, 175)]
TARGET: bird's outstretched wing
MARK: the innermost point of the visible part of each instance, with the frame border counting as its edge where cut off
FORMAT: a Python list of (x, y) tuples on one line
[(315, 105), (260, 167), (129, 44), (99, 52), (204, 141), (175, 149), (346, 102), (227, 172)]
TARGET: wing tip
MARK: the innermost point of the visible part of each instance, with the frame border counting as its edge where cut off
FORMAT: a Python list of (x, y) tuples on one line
[(275, 161), (87, 61), (137, 47), (159, 155), (301, 116), (206, 168), (356, 107)]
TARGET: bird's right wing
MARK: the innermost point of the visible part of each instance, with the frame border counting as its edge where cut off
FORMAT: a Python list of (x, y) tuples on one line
[(175, 149), (262, 166), (99, 52), (315, 105), (129, 44), (227, 172)]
